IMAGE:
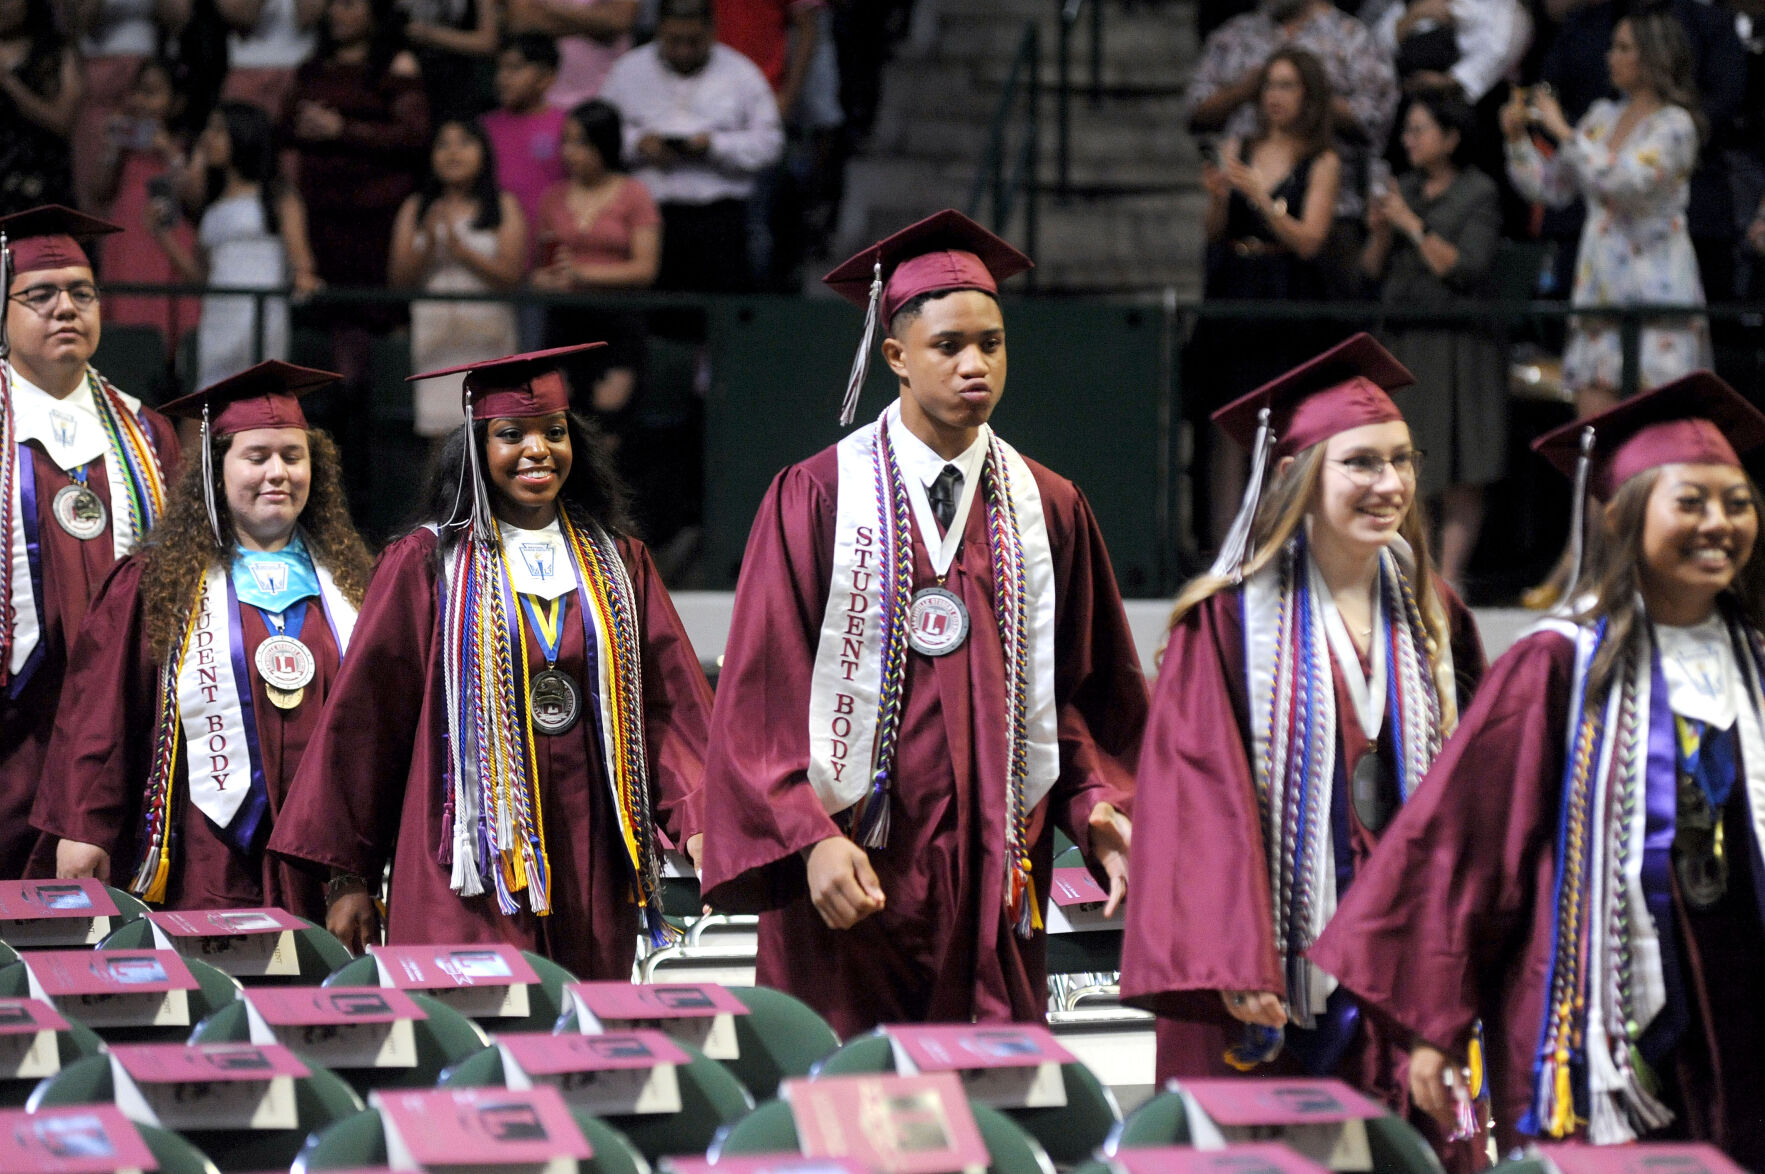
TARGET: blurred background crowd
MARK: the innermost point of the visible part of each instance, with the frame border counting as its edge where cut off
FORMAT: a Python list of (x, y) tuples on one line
[(1408, 154)]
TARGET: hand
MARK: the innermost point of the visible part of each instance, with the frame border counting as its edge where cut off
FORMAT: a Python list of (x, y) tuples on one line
[(1262, 1008), (317, 122), (651, 149), (1111, 833), (1440, 10), (1756, 234), (419, 32), (1424, 80), (1429, 1087), (306, 283), (553, 278), (1514, 118), (1399, 214), (842, 885), (1247, 182), (354, 920), (695, 851), (1549, 113), (74, 859), (699, 145), (1215, 182), (1378, 221)]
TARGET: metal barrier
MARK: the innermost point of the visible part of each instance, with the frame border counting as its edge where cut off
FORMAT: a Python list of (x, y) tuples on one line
[(1070, 11), (1096, 392), (1025, 178)]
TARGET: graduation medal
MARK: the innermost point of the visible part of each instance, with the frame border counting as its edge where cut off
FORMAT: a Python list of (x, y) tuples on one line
[(937, 622), (79, 511), (1373, 804), (287, 667), (554, 701)]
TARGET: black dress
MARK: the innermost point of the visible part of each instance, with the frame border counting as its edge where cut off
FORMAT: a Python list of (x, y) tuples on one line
[(34, 161)]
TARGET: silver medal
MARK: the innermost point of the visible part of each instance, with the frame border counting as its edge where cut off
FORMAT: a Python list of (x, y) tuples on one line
[(554, 701), (285, 663), (937, 622), (79, 511), (1373, 804)]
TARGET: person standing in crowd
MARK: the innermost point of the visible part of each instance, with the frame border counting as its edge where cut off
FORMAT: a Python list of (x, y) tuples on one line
[(555, 718), (359, 124), (599, 230), (144, 149), (267, 41), (458, 234), (590, 35), (455, 44), (41, 84), (255, 554), (1579, 871), (922, 598), (1270, 200), (253, 235), (700, 124), (1225, 93), (1431, 241), (1629, 161), (1309, 680), (115, 38), (83, 470), (525, 130)]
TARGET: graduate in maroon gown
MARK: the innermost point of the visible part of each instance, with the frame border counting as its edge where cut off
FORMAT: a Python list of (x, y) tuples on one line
[(928, 669), (1581, 869), (521, 712), (83, 475), (1307, 683), (204, 663)]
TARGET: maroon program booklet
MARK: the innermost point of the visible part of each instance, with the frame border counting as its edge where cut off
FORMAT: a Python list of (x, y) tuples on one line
[(76, 1139), (892, 1124), (698, 1013), (476, 1128)]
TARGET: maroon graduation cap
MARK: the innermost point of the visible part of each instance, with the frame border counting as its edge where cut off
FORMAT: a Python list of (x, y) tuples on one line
[(1696, 419), (263, 396), (1346, 387), (512, 387), (45, 237), (945, 251)]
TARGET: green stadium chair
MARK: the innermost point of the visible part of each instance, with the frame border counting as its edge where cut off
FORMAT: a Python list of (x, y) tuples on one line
[(174, 1153), (780, 1036), (360, 1140), (1398, 1148), (1161, 1121), (320, 1098), (316, 952), (76, 1043), (770, 1129), (545, 1002), (710, 1097), (214, 991), (445, 1038), (1069, 1133)]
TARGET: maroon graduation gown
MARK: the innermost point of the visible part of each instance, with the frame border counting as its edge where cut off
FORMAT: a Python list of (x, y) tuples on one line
[(373, 776), (72, 572), (103, 751), (1199, 916), (942, 949), (1452, 919)]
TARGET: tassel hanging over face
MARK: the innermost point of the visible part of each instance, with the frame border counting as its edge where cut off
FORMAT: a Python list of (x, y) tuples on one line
[(1235, 551), (861, 361)]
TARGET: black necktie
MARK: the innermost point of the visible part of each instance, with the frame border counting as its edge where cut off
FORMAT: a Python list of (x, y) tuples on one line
[(942, 495)]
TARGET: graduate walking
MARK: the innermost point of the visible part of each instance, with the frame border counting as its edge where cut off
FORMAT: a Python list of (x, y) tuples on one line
[(928, 671)]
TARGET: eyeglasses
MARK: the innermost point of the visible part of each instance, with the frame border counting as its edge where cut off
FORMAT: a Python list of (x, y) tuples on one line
[(44, 298), (1365, 469)]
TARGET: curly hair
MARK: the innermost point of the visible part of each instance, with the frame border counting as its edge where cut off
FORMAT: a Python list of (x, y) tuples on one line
[(182, 549)]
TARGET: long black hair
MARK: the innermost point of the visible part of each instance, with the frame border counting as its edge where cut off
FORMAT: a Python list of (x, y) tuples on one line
[(601, 125), (484, 189), (252, 152), (386, 41), (593, 492)]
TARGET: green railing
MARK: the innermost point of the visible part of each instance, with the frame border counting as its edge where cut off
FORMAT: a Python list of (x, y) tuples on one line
[(1007, 175)]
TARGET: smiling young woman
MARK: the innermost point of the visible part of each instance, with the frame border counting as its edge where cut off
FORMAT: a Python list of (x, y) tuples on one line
[(556, 696), (1620, 747), (1308, 682), (250, 584)]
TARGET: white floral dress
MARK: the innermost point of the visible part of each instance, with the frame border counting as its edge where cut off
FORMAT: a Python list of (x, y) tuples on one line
[(1634, 246)]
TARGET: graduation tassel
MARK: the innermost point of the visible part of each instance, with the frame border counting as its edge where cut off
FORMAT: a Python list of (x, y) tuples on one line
[(6, 289), (214, 517), (861, 361), (1235, 551), (482, 527), (1578, 520)]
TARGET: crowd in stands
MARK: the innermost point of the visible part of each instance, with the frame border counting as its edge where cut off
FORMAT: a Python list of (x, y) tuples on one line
[(438, 145), (1386, 151)]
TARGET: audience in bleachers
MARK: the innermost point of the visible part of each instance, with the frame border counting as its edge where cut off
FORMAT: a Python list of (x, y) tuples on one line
[(41, 81)]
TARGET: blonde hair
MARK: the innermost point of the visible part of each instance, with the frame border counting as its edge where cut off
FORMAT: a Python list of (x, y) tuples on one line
[(1286, 504)]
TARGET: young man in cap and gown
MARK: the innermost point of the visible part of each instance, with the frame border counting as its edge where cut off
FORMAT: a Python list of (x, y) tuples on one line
[(928, 670), (204, 663), (1308, 681), (1576, 890), (83, 476), (522, 714)]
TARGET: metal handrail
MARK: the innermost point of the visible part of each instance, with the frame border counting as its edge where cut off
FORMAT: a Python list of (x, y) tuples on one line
[(1025, 173), (1070, 11)]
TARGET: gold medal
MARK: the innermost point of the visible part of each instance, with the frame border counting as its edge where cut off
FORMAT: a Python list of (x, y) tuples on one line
[(284, 698)]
